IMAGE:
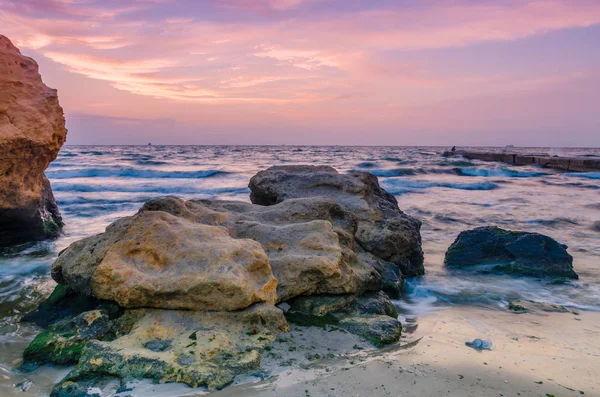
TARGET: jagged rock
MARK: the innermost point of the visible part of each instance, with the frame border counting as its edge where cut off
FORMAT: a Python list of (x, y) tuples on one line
[(308, 241), (492, 249), (32, 130), (382, 229), (63, 341), (155, 259), (202, 348), (371, 316)]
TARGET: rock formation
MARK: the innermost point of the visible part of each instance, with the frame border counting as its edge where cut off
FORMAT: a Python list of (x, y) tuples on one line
[(381, 228), (325, 250), (32, 130), (492, 249)]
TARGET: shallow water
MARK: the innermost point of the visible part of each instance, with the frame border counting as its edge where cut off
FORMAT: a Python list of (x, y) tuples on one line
[(95, 185)]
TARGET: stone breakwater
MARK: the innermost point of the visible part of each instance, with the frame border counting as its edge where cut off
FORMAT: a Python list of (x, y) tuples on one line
[(573, 164)]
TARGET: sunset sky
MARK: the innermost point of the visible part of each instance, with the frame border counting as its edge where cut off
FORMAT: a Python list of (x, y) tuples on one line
[(378, 72)]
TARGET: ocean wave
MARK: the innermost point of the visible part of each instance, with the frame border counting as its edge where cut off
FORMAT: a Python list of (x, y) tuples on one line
[(499, 172), (394, 172), (394, 159), (129, 173), (366, 164), (560, 221), (145, 188), (427, 184), (587, 175)]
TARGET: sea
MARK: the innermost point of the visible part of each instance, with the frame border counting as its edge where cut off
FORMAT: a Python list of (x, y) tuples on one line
[(96, 185)]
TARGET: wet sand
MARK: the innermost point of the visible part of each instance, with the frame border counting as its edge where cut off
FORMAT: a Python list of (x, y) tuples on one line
[(534, 354)]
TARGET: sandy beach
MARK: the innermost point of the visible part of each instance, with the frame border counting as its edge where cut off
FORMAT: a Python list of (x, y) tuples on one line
[(534, 354)]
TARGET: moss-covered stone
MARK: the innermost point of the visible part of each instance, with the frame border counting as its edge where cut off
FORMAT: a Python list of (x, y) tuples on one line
[(195, 348), (63, 342), (65, 303), (378, 330), (372, 315)]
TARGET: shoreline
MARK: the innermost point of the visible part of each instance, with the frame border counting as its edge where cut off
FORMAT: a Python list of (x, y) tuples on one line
[(534, 354)]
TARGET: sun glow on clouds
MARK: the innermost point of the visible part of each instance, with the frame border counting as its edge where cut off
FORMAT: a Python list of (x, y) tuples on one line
[(321, 55)]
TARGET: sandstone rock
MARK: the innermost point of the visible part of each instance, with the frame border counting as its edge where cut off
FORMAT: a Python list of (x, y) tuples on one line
[(155, 259), (308, 241), (382, 229), (200, 348), (492, 249), (32, 130)]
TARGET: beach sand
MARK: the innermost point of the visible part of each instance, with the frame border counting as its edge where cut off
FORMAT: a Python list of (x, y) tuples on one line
[(534, 354)]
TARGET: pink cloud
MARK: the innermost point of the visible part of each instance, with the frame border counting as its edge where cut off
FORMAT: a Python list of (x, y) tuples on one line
[(323, 64)]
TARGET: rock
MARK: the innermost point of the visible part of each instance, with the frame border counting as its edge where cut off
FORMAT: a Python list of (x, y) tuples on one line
[(32, 130), (220, 267), (596, 226), (202, 348), (377, 330), (492, 249), (64, 303), (155, 259), (371, 316), (63, 342), (523, 306), (308, 241), (382, 229)]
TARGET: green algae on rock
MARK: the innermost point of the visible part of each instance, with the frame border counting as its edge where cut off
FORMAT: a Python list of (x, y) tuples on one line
[(63, 342), (371, 316), (201, 348)]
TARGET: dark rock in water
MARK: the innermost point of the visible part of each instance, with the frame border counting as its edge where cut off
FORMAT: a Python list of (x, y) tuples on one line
[(596, 226), (382, 228), (63, 342), (371, 316), (492, 249)]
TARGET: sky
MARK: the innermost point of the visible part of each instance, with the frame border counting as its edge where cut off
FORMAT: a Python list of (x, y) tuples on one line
[(322, 72)]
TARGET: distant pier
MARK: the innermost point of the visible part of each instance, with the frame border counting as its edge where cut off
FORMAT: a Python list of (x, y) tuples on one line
[(573, 164)]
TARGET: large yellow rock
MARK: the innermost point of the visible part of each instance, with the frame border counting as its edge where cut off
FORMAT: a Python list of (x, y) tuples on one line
[(32, 130), (155, 259), (302, 238)]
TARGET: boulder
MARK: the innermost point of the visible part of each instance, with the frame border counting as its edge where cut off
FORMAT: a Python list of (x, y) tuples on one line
[(371, 316), (32, 130), (191, 347), (308, 241), (155, 259), (381, 227), (492, 249)]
